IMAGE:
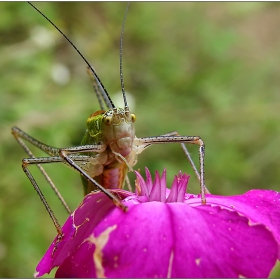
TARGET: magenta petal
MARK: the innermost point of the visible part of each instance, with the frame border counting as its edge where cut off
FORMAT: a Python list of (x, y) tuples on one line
[(149, 182), (141, 188), (259, 206), (155, 193), (47, 263), (229, 237), (73, 228), (171, 240), (182, 186), (225, 246), (163, 186), (173, 194), (178, 189), (158, 190)]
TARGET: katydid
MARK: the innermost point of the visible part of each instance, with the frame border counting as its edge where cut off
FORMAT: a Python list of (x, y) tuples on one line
[(109, 148)]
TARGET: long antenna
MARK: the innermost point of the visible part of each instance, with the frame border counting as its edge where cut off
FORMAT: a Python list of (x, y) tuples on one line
[(100, 93), (93, 72), (126, 108)]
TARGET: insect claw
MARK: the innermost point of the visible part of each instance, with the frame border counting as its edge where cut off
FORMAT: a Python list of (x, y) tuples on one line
[(58, 240), (203, 201), (120, 205), (123, 207)]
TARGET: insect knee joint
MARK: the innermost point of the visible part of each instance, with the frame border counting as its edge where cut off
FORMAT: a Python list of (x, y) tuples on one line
[(62, 153), (24, 163)]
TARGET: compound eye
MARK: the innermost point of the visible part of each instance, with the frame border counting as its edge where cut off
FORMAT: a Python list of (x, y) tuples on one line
[(133, 117), (108, 120)]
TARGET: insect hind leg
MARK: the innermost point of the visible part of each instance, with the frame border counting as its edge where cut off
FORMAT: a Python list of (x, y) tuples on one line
[(25, 163)]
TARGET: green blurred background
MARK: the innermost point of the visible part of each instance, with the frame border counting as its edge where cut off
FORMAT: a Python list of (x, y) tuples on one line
[(207, 69)]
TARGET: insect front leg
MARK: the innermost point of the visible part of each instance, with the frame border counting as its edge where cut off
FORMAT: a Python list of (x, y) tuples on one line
[(187, 154), (66, 153), (141, 144)]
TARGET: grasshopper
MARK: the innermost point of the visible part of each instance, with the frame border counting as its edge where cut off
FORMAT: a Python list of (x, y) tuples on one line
[(109, 148)]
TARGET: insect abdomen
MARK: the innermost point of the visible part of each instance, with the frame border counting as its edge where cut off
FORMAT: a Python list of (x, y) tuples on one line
[(112, 177)]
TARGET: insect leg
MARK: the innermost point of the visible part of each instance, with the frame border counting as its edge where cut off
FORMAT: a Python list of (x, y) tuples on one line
[(141, 144), (44, 160), (36, 161), (64, 153), (188, 155), (128, 183), (19, 135)]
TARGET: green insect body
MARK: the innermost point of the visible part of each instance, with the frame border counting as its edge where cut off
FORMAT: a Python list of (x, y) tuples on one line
[(114, 129), (109, 147)]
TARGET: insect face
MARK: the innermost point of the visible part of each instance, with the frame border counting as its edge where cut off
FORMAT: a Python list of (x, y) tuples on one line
[(117, 126)]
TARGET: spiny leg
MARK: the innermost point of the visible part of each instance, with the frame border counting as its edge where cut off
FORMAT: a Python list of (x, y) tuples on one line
[(86, 149), (25, 163), (42, 160), (19, 135), (188, 155), (73, 158), (143, 143)]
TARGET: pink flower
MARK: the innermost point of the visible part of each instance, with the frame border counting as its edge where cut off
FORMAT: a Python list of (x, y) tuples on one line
[(168, 233)]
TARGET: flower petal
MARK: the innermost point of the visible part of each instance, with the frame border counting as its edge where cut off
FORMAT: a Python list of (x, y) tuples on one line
[(260, 206), (173, 194), (158, 189), (73, 229), (182, 187), (155, 239), (149, 182), (140, 186), (229, 237)]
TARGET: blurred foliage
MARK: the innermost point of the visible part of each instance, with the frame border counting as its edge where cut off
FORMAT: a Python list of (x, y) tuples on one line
[(208, 69)]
